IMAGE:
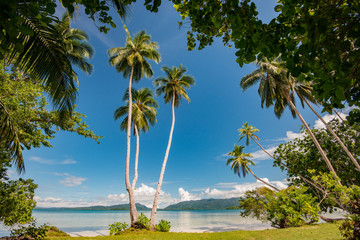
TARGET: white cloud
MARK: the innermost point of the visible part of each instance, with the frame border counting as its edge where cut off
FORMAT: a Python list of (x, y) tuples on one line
[(71, 181), (290, 135), (51, 161), (240, 189), (186, 196), (327, 118), (261, 155)]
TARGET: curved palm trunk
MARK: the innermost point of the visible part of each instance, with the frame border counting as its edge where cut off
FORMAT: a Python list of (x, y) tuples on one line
[(303, 178), (263, 181), (154, 208), (136, 157), (334, 134), (338, 115), (129, 189), (322, 153)]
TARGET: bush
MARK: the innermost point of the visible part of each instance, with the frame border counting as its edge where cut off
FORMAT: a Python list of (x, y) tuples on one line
[(163, 226), (143, 222), (37, 233), (52, 231), (117, 228)]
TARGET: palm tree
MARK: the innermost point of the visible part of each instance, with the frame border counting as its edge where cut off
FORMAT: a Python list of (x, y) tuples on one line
[(131, 61), (144, 114), (59, 48), (248, 132), (240, 164), (302, 97), (173, 86), (78, 50), (276, 86)]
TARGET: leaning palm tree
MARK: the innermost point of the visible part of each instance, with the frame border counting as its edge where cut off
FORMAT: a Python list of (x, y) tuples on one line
[(173, 86), (131, 60), (304, 94), (276, 86), (240, 163), (144, 114), (249, 131)]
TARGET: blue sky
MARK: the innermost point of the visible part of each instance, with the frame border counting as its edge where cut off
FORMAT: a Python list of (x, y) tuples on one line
[(79, 172)]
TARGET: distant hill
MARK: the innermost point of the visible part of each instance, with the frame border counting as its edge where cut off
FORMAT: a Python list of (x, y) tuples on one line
[(104, 208), (205, 204)]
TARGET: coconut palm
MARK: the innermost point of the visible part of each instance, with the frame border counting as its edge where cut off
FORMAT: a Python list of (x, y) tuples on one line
[(131, 60), (248, 132), (173, 87), (276, 86), (78, 50), (144, 114), (63, 47), (240, 163)]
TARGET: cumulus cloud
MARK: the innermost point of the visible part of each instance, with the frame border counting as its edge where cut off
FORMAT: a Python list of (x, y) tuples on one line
[(327, 118), (186, 196), (51, 161), (261, 155), (240, 189)]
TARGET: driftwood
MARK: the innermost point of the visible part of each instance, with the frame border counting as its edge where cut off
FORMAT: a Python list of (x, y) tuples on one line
[(329, 220)]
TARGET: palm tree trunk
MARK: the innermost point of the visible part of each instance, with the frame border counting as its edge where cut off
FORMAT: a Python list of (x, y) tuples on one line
[(338, 115), (154, 208), (263, 181), (303, 178), (136, 157), (129, 189), (322, 153), (334, 134)]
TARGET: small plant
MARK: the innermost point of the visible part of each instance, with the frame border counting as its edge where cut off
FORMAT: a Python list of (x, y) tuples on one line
[(37, 233), (117, 228), (163, 226), (143, 222)]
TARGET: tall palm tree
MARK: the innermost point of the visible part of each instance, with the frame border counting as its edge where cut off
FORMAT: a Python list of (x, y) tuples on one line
[(173, 86), (240, 163), (276, 86), (144, 114), (59, 48), (131, 60)]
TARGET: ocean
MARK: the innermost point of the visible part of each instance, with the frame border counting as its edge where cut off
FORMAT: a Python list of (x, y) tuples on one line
[(77, 221)]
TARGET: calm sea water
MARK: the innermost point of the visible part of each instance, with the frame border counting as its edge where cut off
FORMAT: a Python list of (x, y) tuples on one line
[(181, 221)]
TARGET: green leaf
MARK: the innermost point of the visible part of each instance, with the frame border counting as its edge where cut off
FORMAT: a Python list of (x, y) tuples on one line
[(278, 8), (340, 94)]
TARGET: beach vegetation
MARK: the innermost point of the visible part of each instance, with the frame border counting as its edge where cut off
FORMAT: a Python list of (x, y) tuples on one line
[(30, 231), (143, 222), (117, 228), (173, 86), (34, 126), (300, 155), (132, 62), (290, 207), (163, 226)]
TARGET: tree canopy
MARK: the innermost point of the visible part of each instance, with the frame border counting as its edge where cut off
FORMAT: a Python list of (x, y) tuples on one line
[(318, 40)]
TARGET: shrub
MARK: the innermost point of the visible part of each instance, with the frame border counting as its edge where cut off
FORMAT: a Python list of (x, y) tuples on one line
[(117, 228), (143, 222), (37, 233), (163, 226)]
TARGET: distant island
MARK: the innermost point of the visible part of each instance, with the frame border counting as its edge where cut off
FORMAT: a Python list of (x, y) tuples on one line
[(100, 208), (206, 204), (203, 204)]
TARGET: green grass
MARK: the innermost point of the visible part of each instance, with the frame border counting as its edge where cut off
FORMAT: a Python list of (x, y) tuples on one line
[(319, 231)]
